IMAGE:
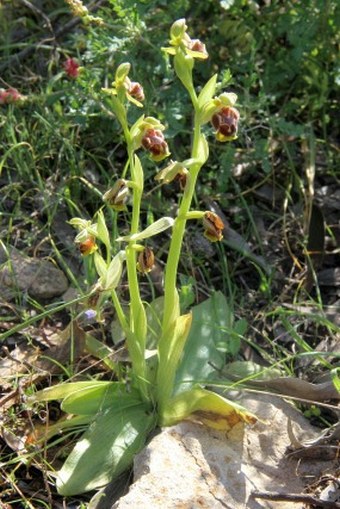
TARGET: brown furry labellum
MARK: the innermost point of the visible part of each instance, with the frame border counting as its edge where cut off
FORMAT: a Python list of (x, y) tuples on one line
[(146, 260), (136, 91), (225, 121), (213, 226), (153, 141)]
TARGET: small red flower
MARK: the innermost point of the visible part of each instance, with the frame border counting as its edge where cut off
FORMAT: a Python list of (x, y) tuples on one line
[(10, 96), (154, 141), (71, 67), (225, 121)]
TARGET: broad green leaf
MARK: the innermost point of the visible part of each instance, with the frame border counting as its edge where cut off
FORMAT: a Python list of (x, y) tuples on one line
[(201, 358), (106, 449), (206, 407), (63, 390), (207, 91), (90, 401), (41, 432), (235, 334)]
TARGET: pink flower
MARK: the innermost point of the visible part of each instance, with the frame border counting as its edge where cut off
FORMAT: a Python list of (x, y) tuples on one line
[(10, 96), (71, 67)]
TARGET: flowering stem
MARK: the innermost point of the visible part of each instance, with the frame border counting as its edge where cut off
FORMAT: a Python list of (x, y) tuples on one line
[(138, 325), (171, 305)]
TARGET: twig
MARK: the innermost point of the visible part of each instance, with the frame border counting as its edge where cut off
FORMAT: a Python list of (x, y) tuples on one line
[(295, 497), (15, 59)]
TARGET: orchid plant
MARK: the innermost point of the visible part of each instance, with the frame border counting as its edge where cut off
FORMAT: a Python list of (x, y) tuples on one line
[(121, 415)]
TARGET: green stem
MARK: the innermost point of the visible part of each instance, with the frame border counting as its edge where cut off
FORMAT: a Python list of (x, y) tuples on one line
[(138, 324), (120, 312), (164, 386), (170, 292)]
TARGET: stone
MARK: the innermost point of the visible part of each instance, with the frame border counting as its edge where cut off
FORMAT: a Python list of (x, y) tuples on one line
[(189, 466), (40, 278)]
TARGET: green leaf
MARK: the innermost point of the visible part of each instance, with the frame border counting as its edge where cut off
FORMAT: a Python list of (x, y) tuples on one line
[(106, 449), (61, 391), (201, 358), (90, 401), (207, 91)]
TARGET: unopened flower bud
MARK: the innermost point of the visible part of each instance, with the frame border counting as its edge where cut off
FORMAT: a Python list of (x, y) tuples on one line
[(213, 226), (153, 140), (118, 195), (88, 247), (178, 29), (146, 260), (122, 72), (71, 68), (225, 121)]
